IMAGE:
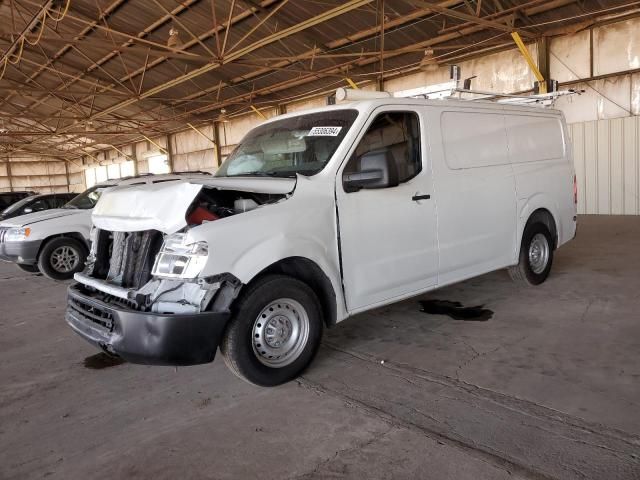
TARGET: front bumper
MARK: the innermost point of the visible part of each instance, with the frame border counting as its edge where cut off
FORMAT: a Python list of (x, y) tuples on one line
[(20, 252), (145, 337)]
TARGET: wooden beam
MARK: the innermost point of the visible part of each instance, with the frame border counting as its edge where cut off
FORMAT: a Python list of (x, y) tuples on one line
[(66, 171), (216, 142), (170, 154), (9, 175)]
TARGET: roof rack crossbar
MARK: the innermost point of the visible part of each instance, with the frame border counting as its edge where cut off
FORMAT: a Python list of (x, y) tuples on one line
[(451, 89)]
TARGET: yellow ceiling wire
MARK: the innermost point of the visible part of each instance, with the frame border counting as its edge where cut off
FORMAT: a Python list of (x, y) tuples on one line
[(19, 55), (24, 39), (43, 21), (66, 9), (4, 67)]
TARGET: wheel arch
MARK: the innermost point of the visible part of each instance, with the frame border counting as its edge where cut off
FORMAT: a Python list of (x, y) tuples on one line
[(544, 216), (75, 235), (310, 273)]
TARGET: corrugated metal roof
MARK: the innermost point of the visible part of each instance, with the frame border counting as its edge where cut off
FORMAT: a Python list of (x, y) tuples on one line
[(102, 73)]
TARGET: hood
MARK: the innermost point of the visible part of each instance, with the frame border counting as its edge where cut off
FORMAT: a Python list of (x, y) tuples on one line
[(271, 185), (35, 217), (163, 206)]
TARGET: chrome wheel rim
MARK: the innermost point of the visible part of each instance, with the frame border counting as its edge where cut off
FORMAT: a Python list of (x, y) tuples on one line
[(538, 253), (280, 333), (65, 259)]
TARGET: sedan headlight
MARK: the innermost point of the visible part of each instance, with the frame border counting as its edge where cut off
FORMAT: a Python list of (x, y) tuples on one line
[(177, 259), (17, 234)]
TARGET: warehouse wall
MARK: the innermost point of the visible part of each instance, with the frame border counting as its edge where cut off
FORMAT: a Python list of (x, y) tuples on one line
[(606, 156), (45, 175)]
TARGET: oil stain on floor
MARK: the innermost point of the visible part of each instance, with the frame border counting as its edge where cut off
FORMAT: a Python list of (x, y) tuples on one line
[(102, 360), (456, 310)]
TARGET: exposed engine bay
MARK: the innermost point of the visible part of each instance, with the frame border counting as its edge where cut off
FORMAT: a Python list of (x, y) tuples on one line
[(213, 204), (126, 268)]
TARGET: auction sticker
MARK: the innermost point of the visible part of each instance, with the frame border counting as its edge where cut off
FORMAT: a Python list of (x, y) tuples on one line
[(324, 132)]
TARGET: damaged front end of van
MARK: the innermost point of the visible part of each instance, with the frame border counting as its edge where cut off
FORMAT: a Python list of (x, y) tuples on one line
[(146, 294), (246, 260)]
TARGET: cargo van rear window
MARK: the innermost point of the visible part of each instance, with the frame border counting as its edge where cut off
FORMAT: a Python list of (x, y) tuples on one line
[(534, 138), (473, 139)]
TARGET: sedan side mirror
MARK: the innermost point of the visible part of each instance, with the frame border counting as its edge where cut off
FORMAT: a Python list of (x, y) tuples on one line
[(28, 210)]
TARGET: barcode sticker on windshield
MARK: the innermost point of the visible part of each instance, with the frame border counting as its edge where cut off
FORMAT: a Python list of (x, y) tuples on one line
[(324, 132)]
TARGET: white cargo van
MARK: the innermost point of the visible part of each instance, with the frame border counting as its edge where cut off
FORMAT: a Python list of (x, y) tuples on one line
[(317, 216)]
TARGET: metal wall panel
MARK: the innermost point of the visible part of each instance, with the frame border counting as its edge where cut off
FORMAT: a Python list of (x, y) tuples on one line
[(607, 161)]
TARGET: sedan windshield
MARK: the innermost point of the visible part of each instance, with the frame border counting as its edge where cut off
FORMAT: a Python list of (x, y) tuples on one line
[(86, 200), (302, 144)]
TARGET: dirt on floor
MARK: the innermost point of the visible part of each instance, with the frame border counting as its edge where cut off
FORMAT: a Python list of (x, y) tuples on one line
[(547, 385)]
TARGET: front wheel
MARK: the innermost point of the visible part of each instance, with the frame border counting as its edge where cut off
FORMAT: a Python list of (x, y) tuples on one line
[(61, 257), (536, 256), (274, 332)]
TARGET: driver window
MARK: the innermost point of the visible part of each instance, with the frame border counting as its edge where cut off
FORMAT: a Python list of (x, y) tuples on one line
[(399, 134)]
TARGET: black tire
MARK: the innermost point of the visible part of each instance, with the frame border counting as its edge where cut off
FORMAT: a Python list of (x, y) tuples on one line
[(238, 347), (47, 260), (28, 268), (527, 271)]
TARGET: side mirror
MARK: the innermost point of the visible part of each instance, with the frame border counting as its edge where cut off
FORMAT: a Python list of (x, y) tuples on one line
[(353, 182), (28, 210), (377, 170)]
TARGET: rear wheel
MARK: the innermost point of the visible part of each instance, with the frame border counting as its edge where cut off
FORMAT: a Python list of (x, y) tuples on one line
[(28, 268), (274, 332), (61, 257), (536, 256)]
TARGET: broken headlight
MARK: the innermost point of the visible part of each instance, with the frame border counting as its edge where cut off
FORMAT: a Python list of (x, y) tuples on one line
[(177, 259)]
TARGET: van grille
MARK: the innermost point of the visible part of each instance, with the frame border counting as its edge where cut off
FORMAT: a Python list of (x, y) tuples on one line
[(126, 258), (101, 318)]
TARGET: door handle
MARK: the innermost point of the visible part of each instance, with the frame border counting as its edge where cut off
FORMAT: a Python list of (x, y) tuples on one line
[(417, 197)]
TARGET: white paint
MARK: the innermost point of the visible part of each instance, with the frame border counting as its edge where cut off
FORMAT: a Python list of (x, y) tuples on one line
[(524, 133), (476, 204), (161, 206), (473, 139), (389, 245)]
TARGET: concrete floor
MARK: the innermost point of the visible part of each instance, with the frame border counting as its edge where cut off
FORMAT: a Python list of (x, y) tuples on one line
[(547, 388)]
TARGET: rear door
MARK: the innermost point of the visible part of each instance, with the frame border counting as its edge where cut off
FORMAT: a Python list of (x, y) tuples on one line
[(475, 192), (388, 235)]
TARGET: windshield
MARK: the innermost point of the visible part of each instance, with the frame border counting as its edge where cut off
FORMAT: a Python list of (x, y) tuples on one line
[(302, 144), (87, 199), (16, 206)]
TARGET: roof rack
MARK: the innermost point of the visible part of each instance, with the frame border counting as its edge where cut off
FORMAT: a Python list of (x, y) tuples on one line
[(451, 89)]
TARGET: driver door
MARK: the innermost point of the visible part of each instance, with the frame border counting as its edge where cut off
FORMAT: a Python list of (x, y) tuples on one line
[(388, 232)]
